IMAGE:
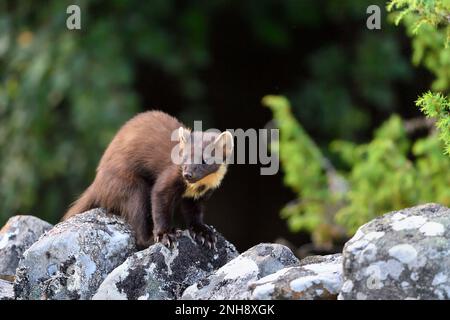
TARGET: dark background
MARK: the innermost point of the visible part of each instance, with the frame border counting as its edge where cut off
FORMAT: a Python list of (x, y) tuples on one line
[(210, 61)]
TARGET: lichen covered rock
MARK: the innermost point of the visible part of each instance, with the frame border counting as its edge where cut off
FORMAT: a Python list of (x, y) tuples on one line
[(319, 278), (72, 259), (18, 234), (402, 255), (232, 280), (162, 273)]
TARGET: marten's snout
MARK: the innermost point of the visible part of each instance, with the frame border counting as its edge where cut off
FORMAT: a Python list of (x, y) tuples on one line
[(187, 176)]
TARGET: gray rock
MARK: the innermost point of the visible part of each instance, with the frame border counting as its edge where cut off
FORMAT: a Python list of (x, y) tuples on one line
[(318, 277), (18, 234), (232, 280), (71, 260), (404, 254), (6, 290), (162, 273)]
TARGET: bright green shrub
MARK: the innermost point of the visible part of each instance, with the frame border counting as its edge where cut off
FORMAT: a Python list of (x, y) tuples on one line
[(391, 172)]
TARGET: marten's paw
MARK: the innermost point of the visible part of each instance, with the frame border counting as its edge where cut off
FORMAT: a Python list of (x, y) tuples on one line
[(169, 238), (203, 235)]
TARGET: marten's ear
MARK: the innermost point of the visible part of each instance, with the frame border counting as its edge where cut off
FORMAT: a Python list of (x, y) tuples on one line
[(183, 135), (225, 142)]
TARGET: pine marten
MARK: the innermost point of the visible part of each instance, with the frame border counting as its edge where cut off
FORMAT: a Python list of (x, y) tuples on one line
[(138, 180)]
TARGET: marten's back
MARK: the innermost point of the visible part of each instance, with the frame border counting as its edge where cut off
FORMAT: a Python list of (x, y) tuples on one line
[(143, 144)]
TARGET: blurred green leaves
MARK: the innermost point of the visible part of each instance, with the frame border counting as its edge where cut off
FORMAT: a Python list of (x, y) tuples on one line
[(384, 177), (395, 169), (60, 101), (390, 172)]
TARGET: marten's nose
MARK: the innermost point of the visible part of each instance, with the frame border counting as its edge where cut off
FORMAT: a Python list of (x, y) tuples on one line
[(187, 176)]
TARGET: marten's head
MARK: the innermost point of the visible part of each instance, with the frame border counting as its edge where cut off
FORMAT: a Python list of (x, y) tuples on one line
[(204, 156)]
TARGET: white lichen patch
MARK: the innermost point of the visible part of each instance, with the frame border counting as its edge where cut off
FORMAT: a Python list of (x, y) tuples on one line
[(108, 289), (303, 283), (439, 279), (368, 253), (357, 245), (239, 267), (432, 229), (381, 270), (272, 277), (89, 266), (323, 268), (169, 257), (405, 284), (361, 296), (358, 235), (191, 291), (413, 222), (4, 241), (75, 282), (404, 253), (328, 276), (393, 268), (5, 237), (398, 216), (112, 293), (263, 292), (418, 263), (347, 286), (374, 235), (375, 277)]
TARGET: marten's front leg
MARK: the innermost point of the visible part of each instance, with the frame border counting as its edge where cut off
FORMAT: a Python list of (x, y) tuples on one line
[(193, 214), (165, 194)]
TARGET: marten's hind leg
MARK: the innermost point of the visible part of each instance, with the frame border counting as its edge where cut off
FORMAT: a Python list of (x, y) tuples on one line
[(137, 212)]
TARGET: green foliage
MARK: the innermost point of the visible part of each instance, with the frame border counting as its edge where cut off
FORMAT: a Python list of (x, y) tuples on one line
[(428, 23), (435, 105), (303, 174), (381, 175), (390, 172), (59, 106), (432, 14)]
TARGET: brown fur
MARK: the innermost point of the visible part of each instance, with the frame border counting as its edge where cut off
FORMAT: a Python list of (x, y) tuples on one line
[(137, 179)]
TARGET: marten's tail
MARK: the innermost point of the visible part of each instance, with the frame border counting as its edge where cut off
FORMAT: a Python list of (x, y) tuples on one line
[(84, 203)]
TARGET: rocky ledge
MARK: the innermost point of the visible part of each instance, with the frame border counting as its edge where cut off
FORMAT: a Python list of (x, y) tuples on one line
[(400, 255)]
